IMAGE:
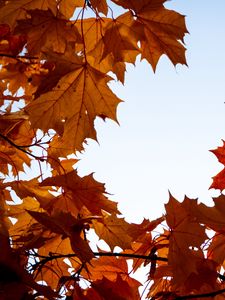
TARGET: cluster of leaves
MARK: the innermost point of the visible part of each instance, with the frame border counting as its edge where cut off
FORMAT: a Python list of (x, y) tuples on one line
[(55, 57)]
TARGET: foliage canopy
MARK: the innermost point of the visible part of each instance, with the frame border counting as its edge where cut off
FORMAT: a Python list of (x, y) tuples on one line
[(56, 56)]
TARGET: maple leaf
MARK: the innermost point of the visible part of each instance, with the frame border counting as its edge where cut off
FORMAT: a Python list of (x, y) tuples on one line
[(142, 242), (67, 226), (111, 43), (79, 192), (112, 230), (79, 97), (24, 225), (15, 10), (100, 5), (92, 31), (118, 289), (16, 127), (186, 234), (212, 217), (216, 249), (56, 269), (9, 156), (206, 276), (52, 272), (31, 188), (159, 285), (62, 166), (161, 31), (57, 65), (120, 40), (18, 74), (107, 267), (219, 179), (67, 7), (15, 75), (46, 31)]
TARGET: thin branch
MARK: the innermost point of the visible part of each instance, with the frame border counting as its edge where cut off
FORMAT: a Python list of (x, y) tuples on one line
[(19, 147), (17, 56), (15, 98), (46, 259), (130, 255), (152, 258)]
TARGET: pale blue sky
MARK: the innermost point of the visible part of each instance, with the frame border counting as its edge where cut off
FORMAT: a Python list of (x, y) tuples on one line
[(168, 122)]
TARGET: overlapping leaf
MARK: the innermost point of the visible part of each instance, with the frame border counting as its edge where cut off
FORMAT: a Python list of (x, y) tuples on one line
[(44, 30), (186, 235), (78, 193), (15, 10)]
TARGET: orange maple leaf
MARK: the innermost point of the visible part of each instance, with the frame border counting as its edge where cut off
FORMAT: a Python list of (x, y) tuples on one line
[(79, 97), (79, 192), (114, 231), (100, 5), (67, 226), (219, 179), (186, 234), (13, 11), (44, 30)]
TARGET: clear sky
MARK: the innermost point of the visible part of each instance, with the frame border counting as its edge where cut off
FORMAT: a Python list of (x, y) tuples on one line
[(168, 122)]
